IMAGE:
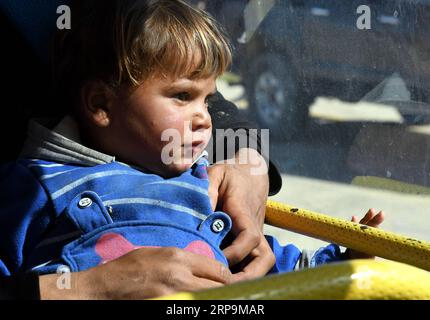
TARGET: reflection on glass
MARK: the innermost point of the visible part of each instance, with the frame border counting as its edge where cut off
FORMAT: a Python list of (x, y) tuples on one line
[(344, 87)]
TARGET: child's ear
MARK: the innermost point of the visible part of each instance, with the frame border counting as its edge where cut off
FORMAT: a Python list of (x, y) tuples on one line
[(97, 100)]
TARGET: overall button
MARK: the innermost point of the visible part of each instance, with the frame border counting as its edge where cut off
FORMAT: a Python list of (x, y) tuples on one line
[(217, 225), (87, 212), (85, 203)]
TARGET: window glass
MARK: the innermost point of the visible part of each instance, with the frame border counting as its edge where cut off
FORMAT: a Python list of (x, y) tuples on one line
[(344, 87)]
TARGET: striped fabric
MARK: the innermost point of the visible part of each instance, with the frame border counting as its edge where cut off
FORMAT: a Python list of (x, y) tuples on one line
[(57, 214)]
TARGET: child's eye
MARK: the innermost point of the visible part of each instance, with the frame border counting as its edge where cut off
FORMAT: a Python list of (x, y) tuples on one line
[(182, 96)]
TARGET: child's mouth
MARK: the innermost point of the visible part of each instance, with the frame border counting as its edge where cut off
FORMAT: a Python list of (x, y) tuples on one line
[(194, 148)]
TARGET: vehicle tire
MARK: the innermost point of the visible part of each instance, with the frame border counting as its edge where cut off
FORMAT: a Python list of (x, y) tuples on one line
[(273, 95)]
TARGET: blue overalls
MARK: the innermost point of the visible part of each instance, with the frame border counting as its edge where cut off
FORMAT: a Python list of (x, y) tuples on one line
[(84, 216)]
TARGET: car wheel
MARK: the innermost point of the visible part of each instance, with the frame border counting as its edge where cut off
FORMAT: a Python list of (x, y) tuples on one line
[(273, 94)]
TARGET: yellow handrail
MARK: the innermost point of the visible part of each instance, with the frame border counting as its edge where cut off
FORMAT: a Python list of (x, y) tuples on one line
[(355, 279), (353, 235)]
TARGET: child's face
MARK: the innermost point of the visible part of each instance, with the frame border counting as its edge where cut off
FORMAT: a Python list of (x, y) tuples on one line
[(175, 109)]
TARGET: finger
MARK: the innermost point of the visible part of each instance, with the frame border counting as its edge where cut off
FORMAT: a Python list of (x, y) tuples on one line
[(214, 182), (190, 282), (248, 237), (258, 267), (368, 216), (182, 279), (240, 248), (207, 268), (377, 220), (354, 219), (215, 178), (196, 284), (158, 292)]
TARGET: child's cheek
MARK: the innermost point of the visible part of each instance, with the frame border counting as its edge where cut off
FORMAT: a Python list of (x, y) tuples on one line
[(176, 122)]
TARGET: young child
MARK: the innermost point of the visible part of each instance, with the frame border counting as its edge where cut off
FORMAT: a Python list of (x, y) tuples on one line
[(106, 180)]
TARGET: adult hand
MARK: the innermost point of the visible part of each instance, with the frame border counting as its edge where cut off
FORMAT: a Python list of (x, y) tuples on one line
[(140, 274), (240, 189)]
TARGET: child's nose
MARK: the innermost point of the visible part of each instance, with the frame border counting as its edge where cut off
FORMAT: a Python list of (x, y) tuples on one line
[(201, 118)]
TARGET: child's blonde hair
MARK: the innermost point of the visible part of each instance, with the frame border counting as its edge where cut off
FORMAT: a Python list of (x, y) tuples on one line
[(123, 42)]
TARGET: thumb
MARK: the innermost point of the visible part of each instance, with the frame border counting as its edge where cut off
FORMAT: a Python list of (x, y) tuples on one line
[(354, 219), (216, 176)]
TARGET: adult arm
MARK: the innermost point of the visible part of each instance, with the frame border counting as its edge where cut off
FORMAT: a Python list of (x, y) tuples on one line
[(25, 215), (240, 188), (140, 274)]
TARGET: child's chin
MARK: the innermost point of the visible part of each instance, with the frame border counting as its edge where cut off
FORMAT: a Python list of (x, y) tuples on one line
[(177, 169)]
